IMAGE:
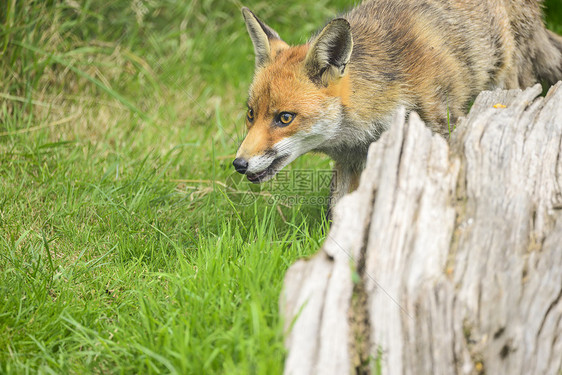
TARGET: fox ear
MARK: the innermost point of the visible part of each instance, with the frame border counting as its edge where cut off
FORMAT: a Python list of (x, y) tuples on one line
[(262, 37), (330, 52)]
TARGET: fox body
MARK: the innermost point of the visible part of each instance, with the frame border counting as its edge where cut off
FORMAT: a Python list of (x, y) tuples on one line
[(337, 93)]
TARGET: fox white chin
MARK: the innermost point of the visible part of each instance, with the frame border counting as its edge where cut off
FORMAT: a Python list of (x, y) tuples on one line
[(268, 173)]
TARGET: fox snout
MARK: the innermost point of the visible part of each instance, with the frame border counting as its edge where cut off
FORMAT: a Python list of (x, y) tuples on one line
[(258, 158), (260, 168)]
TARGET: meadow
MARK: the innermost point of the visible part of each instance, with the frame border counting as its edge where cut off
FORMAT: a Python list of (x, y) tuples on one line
[(128, 244)]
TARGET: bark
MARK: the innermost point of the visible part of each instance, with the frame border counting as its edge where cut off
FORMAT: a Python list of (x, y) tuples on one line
[(448, 257)]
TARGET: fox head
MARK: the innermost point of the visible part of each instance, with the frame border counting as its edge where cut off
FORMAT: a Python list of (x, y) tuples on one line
[(297, 98)]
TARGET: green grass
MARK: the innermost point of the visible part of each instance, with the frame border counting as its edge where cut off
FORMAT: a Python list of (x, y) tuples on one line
[(554, 15), (124, 243)]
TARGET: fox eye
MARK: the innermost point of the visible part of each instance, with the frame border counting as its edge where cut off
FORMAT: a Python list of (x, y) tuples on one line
[(284, 118), (250, 114)]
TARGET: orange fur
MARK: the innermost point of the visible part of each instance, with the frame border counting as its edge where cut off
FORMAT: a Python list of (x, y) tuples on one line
[(341, 89), (344, 86)]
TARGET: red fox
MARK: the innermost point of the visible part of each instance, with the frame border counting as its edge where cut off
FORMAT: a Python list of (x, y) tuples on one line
[(337, 93)]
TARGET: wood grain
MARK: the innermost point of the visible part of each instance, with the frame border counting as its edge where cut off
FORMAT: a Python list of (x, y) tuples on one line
[(448, 258)]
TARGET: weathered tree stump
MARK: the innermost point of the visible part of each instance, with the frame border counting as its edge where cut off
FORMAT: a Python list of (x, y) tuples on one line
[(448, 258)]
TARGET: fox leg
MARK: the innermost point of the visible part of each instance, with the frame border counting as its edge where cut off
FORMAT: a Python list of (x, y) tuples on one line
[(344, 180), (551, 71)]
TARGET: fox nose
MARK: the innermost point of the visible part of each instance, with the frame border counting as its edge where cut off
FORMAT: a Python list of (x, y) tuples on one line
[(241, 165)]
